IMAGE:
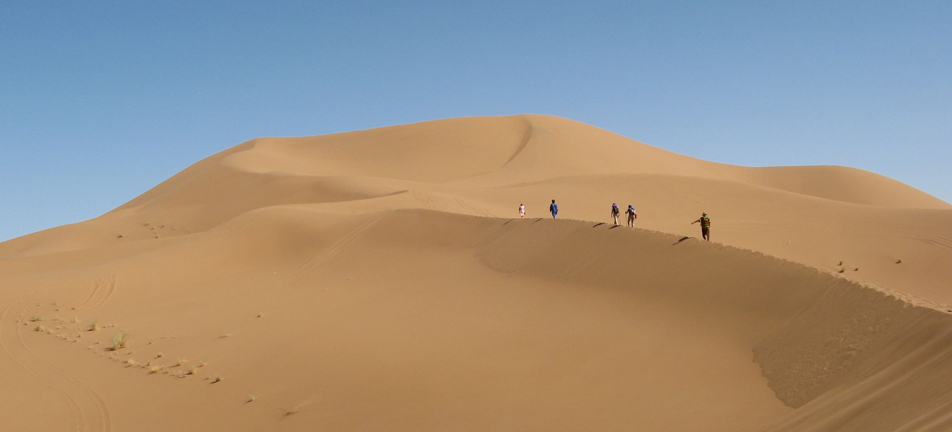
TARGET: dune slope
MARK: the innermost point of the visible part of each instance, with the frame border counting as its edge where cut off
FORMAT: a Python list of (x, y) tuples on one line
[(375, 280)]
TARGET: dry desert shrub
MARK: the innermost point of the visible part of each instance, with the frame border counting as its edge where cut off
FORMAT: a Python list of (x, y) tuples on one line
[(119, 341)]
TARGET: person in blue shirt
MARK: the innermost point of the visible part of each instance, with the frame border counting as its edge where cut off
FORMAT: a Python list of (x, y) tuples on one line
[(554, 209)]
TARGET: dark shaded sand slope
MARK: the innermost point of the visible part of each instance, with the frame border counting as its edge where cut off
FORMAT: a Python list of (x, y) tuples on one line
[(374, 281)]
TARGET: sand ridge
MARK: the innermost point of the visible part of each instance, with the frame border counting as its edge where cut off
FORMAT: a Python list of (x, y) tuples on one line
[(381, 280)]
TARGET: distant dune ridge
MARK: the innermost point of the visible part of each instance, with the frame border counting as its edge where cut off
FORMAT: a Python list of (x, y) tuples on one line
[(382, 280)]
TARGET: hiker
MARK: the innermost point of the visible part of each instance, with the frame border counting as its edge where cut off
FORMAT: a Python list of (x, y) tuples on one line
[(632, 215), (705, 226), (615, 213), (522, 211), (554, 209)]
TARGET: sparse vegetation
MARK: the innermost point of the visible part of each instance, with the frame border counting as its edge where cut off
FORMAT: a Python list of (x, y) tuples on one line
[(899, 261), (36, 318), (93, 326), (217, 379), (250, 399), (39, 328), (119, 341)]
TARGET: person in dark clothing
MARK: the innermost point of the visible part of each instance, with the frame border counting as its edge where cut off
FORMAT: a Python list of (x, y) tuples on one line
[(554, 209)]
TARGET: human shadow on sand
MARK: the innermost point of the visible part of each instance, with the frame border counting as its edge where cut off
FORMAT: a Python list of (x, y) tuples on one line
[(679, 241)]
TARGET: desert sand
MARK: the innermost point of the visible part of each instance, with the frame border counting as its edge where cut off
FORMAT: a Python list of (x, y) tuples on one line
[(382, 280)]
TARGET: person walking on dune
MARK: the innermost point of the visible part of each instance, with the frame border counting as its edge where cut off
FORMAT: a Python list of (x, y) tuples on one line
[(632, 215), (522, 211), (554, 209), (615, 213), (705, 226)]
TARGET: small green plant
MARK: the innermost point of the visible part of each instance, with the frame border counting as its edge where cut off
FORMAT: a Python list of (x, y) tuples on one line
[(250, 399), (119, 341), (217, 379), (93, 326), (899, 261), (36, 318)]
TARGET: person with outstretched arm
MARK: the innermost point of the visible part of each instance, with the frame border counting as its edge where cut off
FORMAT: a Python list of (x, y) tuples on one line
[(554, 209), (705, 226)]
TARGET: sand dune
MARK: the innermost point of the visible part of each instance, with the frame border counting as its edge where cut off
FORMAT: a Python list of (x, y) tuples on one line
[(377, 280)]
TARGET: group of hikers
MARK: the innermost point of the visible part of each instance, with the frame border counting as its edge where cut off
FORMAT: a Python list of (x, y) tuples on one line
[(632, 215)]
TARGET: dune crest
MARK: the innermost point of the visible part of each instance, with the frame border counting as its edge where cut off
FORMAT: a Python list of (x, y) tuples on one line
[(381, 279)]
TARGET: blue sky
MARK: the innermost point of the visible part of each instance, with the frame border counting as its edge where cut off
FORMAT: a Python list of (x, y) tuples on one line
[(100, 101)]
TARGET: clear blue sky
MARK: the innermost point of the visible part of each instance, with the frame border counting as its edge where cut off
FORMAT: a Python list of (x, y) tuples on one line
[(101, 100)]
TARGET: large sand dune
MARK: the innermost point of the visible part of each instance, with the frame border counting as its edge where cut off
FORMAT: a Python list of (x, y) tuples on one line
[(377, 280)]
